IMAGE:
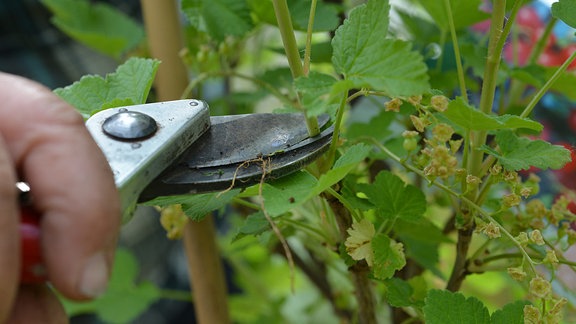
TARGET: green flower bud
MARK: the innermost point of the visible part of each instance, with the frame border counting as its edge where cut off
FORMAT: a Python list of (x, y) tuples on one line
[(415, 100), (531, 315), (393, 105), (442, 132), (439, 103), (419, 123), (536, 237), (511, 200), (491, 230), (522, 238), (540, 287), (517, 274), (551, 257)]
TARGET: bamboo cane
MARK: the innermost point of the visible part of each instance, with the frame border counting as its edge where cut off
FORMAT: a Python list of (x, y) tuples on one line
[(204, 265)]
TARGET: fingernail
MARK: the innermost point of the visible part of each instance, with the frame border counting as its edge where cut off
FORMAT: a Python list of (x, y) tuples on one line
[(94, 279)]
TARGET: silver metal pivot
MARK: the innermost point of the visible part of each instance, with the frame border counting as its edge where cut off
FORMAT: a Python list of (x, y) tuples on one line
[(141, 141)]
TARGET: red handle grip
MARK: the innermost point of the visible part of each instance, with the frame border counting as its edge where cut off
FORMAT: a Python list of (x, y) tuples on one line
[(32, 268)]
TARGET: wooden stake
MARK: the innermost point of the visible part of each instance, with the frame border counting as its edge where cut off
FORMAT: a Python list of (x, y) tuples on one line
[(205, 270), (164, 34), (204, 265)]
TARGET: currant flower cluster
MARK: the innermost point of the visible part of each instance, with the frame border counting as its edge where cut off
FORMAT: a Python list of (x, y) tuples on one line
[(438, 157), (433, 149)]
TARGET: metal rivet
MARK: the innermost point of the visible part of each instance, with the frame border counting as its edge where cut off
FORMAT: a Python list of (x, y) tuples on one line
[(129, 125), (193, 103)]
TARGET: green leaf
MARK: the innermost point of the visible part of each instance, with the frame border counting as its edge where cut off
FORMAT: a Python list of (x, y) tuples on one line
[(424, 231), (394, 199), (315, 90), (464, 115), (536, 75), (254, 224), (197, 206), (377, 127), (532, 74), (369, 60), (349, 191), (359, 241), (423, 253), (284, 194), (346, 163), (129, 85), (474, 57), (421, 241), (124, 299), (464, 12), (280, 78), (565, 10), (288, 192), (421, 28), (512, 313), (219, 18), (388, 256), (326, 18), (445, 307), (565, 84), (520, 153), (97, 25), (398, 293)]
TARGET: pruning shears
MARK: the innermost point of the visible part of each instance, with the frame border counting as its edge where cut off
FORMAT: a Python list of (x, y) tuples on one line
[(176, 147)]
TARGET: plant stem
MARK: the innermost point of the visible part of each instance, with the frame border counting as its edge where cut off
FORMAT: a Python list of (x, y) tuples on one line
[(542, 41), (315, 270), (308, 47), (460, 268), (489, 83), (344, 202), (258, 82), (517, 87), (359, 271), (478, 138), (461, 78), (292, 53), (542, 91), (331, 155), (288, 38)]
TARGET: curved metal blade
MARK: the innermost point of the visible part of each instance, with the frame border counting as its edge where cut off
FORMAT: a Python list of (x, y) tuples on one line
[(240, 138), (233, 149)]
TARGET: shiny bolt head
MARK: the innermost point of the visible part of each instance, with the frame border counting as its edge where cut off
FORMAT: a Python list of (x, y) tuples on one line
[(129, 125)]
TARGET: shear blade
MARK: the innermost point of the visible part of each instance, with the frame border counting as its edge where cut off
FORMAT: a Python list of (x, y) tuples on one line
[(237, 150)]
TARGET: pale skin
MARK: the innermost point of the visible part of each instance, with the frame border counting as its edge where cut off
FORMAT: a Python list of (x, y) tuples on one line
[(44, 142)]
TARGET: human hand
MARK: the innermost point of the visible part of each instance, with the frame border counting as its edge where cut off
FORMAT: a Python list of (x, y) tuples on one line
[(44, 142)]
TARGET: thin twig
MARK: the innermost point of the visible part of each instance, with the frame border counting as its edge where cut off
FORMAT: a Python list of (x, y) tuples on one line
[(277, 232)]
